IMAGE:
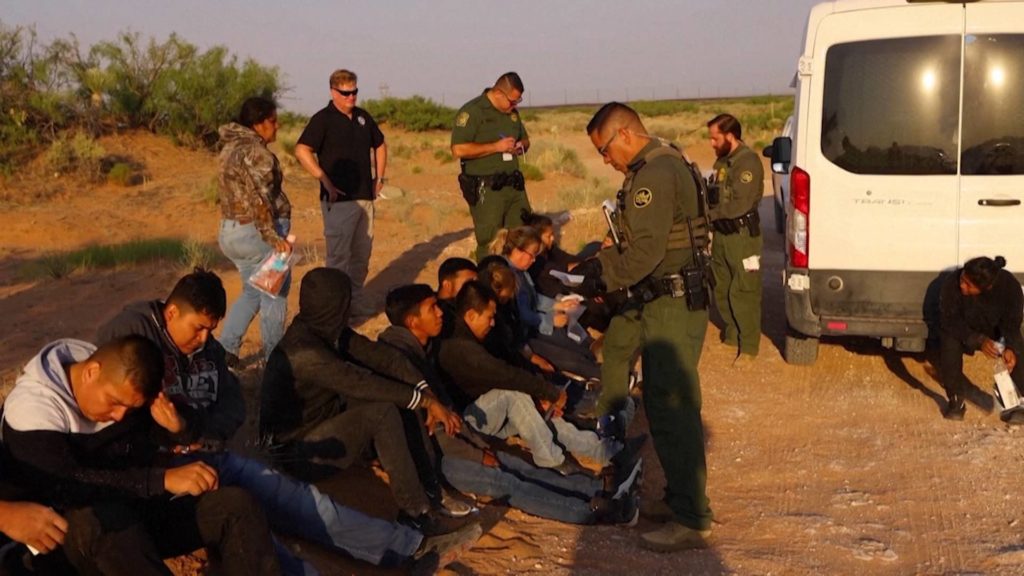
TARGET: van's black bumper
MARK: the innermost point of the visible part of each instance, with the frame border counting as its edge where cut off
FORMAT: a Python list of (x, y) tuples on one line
[(862, 303)]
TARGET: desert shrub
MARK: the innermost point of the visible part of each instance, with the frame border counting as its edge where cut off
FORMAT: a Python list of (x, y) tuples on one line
[(210, 192), (400, 150), (124, 174), (416, 114), (417, 169), (531, 172), (443, 155), (195, 254), (78, 154), (58, 265), (561, 159)]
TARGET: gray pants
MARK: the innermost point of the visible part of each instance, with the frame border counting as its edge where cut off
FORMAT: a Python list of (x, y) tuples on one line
[(504, 413), (348, 231)]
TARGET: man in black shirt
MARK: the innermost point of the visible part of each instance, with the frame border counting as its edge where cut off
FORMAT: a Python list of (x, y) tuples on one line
[(343, 148)]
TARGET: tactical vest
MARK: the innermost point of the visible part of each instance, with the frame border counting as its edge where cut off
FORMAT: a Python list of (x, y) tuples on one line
[(680, 234)]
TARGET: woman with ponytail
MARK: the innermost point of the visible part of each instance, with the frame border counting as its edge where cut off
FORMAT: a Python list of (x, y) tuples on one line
[(981, 304)]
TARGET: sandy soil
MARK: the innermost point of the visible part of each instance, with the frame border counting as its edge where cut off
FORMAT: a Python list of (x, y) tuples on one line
[(845, 467)]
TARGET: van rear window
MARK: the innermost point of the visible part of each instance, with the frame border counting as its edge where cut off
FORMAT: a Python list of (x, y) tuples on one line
[(993, 105), (891, 106)]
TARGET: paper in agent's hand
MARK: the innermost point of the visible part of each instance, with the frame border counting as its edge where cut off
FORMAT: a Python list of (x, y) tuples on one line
[(570, 280)]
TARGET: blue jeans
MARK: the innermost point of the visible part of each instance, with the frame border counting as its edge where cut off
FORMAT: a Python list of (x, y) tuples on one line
[(245, 247), (504, 413), (533, 490), (300, 509)]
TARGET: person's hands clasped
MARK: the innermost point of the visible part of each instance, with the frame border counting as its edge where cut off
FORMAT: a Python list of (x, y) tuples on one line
[(192, 479), (33, 524), (438, 413)]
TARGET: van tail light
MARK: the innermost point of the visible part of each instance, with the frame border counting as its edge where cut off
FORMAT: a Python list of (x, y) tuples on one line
[(800, 223)]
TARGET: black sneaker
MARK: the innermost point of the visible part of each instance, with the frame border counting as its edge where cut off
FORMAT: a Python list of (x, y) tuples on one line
[(623, 511), (954, 410), (436, 552)]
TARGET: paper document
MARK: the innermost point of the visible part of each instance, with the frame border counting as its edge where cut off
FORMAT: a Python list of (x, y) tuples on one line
[(570, 280)]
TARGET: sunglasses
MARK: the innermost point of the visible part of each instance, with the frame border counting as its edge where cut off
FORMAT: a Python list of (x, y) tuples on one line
[(346, 93)]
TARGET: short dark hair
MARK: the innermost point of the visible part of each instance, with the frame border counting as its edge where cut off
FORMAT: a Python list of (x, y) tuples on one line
[(491, 260), (136, 359), (727, 124), (475, 296), (510, 80), (498, 278), (405, 301), (256, 110), (202, 292), (982, 271), (616, 111), (536, 220), (451, 267)]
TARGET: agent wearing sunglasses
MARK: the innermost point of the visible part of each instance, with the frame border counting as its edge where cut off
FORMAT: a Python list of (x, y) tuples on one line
[(343, 148), (488, 139)]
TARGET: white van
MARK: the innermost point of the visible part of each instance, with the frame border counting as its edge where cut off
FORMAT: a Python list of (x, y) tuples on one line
[(906, 159)]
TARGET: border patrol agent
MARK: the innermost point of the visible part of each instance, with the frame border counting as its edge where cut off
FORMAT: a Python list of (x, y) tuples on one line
[(658, 265), (488, 139), (735, 192)]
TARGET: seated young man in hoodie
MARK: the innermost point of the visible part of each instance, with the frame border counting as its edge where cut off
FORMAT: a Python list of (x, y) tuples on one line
[(451, 275), (208, 396), (81, 430), (467, 460), (497, 398), (329, 394)]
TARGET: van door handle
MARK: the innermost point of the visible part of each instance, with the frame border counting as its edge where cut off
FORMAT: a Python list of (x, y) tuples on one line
[(997, 202)]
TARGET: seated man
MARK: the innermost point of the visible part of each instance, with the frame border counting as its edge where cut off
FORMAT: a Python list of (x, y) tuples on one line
[(497, 398), (468, 462), (451, 275), (197, 380), (324, 411), (76, 439)]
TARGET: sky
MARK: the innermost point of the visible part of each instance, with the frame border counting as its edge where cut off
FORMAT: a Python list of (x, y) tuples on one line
[(566, 51)]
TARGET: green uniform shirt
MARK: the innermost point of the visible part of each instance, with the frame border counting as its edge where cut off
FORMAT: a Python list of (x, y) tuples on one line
[(740, 178), (480, 122), (660, 193)]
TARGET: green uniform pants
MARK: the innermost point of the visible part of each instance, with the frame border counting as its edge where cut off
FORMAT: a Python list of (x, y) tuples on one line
[(670, 338), (737, 291), (495, 210)]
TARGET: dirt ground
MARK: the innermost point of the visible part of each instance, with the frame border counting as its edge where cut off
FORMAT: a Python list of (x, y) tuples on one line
[(844, 467)]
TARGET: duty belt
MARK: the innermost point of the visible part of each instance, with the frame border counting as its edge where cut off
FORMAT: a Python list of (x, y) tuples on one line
[(504, 180), (751, 221)]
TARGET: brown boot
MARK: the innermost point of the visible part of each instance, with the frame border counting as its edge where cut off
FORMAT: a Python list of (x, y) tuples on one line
[(673, 537)]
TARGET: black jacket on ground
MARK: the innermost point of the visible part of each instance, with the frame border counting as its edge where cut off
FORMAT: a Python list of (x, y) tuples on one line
[(474, 371), (320, 364), (995, 314), (202, 388)]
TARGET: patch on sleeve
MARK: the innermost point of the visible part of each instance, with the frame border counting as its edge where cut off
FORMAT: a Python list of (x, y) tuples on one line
[(361, 120), (642, 197), (747, 177), (462, 119), (514, 117)]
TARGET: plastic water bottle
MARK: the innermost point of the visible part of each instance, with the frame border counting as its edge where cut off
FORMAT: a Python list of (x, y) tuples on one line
[(1006, 391)]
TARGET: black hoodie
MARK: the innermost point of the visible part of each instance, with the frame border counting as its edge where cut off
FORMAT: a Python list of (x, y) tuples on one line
[(206, 393), (321, 363)]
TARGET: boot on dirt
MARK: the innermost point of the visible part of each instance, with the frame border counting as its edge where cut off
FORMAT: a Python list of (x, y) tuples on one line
[(673, 537)]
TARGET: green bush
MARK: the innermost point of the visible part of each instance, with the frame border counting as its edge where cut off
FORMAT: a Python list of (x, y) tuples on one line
[(417, 169), (663, 107), (559, 158), (124, 174), (443, 155), (531, 172), (78, 154), (58, 265), (416, 114)]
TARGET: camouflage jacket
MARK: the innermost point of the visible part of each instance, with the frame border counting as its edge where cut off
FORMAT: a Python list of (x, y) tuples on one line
[(250, 181)]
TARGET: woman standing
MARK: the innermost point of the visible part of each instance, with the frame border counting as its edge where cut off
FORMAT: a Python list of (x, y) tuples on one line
[(255, 221)]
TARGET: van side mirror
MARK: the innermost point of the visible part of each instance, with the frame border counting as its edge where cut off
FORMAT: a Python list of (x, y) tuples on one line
[(781, 154)]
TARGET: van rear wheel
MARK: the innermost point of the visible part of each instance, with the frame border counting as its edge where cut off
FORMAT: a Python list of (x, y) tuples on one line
[(800, 350)]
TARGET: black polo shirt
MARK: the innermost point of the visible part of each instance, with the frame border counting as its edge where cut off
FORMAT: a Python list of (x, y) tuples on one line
[(344, 147)]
